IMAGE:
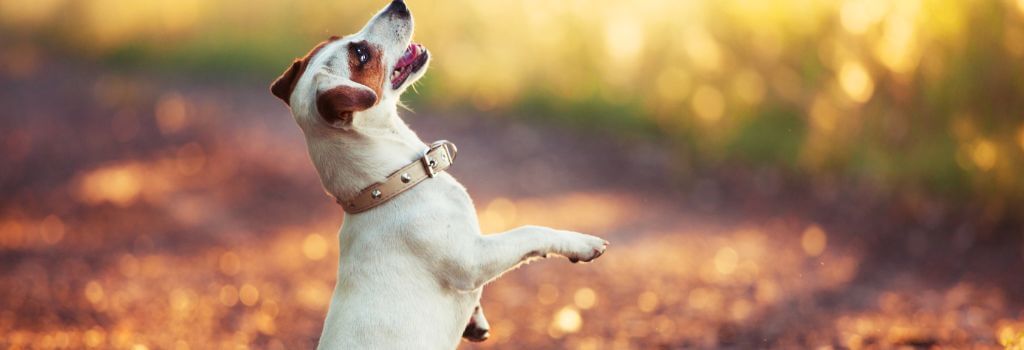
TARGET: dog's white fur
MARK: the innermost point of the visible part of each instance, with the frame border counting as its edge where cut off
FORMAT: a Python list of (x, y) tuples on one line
[(411, 271)]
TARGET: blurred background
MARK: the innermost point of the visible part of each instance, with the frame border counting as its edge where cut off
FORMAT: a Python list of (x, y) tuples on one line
[(771, 174)]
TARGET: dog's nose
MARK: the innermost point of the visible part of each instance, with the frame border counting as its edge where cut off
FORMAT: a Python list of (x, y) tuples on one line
[(475, 334), (398, 8)]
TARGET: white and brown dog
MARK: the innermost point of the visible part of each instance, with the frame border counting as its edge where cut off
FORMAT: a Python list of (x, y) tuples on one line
[(413, 262)]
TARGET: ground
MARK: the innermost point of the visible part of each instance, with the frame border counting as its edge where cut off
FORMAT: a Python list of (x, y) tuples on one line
[(154, 212)]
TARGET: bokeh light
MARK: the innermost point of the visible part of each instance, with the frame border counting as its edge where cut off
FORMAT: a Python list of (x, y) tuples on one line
[(772, 174)]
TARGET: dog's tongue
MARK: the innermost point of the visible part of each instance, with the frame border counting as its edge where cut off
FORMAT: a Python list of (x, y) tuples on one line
[(410, 55)]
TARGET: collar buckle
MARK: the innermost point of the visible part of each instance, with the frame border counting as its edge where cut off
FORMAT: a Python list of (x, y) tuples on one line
[(429, 164), (447, 153)]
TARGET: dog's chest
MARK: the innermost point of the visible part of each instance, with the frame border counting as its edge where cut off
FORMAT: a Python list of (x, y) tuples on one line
[(431, 217)]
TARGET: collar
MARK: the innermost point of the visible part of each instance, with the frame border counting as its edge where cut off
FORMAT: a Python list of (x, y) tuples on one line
[(439, 157)]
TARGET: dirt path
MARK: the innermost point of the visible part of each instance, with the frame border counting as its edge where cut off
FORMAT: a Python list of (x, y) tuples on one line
[(183, 214)]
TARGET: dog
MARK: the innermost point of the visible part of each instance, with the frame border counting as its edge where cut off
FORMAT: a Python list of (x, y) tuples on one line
[(413, 261)]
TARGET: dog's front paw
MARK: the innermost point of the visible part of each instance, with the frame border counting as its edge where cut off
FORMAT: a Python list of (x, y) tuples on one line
[(580, 247)]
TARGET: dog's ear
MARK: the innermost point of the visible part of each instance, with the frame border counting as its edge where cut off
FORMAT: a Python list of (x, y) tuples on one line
[(283, 86), (336, 105)]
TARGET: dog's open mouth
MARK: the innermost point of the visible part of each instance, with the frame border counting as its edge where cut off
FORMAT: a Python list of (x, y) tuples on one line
[(412, 60)]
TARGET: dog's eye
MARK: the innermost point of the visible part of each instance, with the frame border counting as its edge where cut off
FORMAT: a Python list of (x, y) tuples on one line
[(362, 54)]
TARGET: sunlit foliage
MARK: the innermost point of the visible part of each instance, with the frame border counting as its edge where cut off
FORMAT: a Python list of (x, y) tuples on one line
[(920, 95)]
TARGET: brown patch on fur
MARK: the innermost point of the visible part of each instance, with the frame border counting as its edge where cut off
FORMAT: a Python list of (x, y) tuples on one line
[(371, 73), (285, 84), (340, 102)]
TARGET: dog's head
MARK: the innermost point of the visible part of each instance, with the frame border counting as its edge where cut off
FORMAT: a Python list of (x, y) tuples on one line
[(345, 81)]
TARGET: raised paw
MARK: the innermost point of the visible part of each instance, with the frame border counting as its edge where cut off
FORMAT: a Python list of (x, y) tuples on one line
[(581, 247)]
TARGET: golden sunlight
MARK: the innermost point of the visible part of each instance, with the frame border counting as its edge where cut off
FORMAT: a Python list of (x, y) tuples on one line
[(897, 48), (230, 264), (985, 154), (94, 292), (248, 294), (228, 295), (703, 50), (708, 141), (581, 211), (856, 82), (647, 301), (824, 114), (705, 299), (814, 240), (313, 295), (119, 184), (741, 309), (673, 85), (584, 298), (726, 260), (499, 215), (568, 320), (314, 247), (748, 85), (1011, 333), (708, 103), (624, 40), (94, 337), (857, 16), (29, 12)]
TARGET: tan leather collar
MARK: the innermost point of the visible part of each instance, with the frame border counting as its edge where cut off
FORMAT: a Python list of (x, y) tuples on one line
[(439, 157)]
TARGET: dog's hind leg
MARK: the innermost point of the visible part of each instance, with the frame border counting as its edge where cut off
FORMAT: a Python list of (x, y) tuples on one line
[(477, 330)]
